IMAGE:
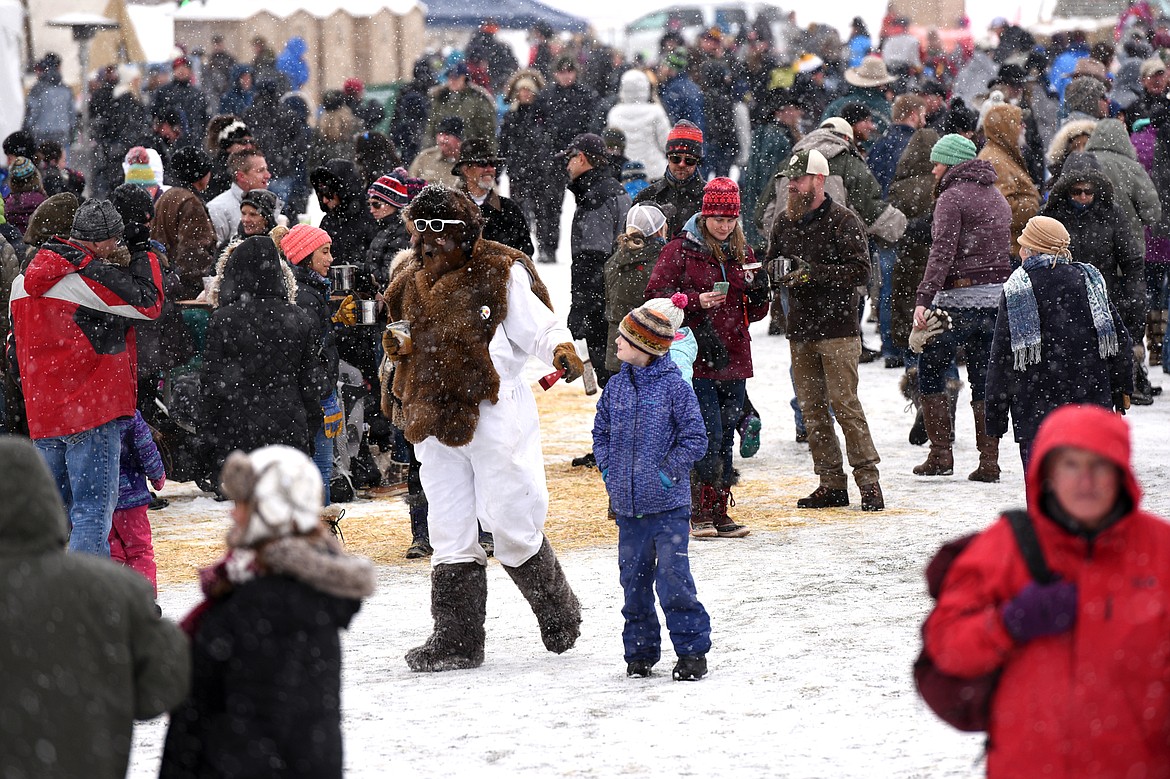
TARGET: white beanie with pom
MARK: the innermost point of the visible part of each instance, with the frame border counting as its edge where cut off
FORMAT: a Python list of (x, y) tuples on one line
[(282, 487), (671, 308)]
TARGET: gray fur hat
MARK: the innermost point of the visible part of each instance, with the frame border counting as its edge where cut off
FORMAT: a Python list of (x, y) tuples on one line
[(97, 220)]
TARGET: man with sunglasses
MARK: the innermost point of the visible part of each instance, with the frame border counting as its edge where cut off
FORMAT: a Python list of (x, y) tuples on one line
[(476, 169), (680, 192), (476, 311)]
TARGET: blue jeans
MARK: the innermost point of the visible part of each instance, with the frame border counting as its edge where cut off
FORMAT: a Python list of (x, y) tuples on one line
[(652, 553), (721, 404), (971, 327), (323, 458), (85, 467), (886, 256)]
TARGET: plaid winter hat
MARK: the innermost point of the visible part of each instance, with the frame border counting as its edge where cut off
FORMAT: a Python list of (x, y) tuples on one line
[(721, 197), (648, 331), (389, 190), (685, 138)]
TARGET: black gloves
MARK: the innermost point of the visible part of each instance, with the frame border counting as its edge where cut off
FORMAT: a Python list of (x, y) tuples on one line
[(137, 237)]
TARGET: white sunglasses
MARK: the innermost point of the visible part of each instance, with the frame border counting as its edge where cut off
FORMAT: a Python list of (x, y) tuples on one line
[(435, 225)]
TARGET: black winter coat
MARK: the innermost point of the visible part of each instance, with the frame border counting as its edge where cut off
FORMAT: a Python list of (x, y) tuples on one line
[(410, 119), (1101, 236), (1071, 369), (263, 381), (265, 696), (600, 218), (506, 223), (566, 112), (390, 239), (526, 146), (313, 296), (350, 224), (191, 104), (678, 201)]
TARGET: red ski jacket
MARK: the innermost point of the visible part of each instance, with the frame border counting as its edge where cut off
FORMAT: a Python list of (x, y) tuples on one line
[(1093, 703), (72, 319)]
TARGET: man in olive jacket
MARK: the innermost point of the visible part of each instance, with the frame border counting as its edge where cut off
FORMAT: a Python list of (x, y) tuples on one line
[(83, 652)]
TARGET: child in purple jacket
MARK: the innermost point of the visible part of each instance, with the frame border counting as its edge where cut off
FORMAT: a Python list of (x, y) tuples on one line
[(130, 540), (647, 435)]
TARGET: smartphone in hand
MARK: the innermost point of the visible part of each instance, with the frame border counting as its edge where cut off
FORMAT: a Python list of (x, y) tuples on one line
[(721, 287)]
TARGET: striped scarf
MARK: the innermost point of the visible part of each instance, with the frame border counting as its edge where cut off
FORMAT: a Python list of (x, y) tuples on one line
[(1024, 317)]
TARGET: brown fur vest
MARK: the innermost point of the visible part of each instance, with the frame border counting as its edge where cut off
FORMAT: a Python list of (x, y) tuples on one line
[(449, 370)]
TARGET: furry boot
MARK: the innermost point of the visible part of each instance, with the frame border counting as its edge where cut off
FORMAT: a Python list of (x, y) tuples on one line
[(543, 584), (936, 410), (459, 608), (988, 470)]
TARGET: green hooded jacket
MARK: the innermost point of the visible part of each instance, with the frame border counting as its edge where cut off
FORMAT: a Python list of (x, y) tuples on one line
[(82, 651)]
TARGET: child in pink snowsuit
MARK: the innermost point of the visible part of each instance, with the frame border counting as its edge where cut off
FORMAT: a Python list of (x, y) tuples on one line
[(130, 541)]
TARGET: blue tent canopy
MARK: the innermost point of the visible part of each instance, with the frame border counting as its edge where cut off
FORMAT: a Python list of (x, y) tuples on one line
[(511, 14)]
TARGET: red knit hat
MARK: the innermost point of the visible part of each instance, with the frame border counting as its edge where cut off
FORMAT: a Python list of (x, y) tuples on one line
[(685, 138), (721, 197), (302, 241)]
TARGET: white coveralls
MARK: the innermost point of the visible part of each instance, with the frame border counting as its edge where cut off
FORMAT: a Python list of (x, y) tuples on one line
[(498, 477)]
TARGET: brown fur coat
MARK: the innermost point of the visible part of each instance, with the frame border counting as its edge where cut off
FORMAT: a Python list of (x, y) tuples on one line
[(449, 370)]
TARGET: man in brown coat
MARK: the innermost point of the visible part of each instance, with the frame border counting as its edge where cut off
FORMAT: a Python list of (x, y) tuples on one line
[(181, 222), (825, 257)]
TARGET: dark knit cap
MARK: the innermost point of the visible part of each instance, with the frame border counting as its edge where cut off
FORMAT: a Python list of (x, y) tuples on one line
[(721, 197), (647, 331), (685, 138), (97, 220), (133, 204), (263, 201), (20, 144), (189, 164)]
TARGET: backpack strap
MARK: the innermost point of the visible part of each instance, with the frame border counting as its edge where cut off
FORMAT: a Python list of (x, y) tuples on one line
[(1025, 533)]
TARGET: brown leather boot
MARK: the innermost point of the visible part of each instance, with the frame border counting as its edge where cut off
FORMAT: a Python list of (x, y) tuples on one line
[(703, 503), (725, 526), (988, 470), (936, 410)]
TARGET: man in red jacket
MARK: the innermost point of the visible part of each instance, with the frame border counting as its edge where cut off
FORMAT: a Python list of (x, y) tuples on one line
[(72, 319), (1084, 661)]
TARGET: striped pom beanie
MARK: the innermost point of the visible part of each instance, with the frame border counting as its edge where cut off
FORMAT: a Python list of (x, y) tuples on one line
[(685, 138), (389, 190), (648, 331), (139, 171)]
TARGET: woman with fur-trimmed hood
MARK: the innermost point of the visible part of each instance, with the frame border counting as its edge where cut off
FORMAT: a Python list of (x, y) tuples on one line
[(1069, 139), (265, 697), (476, 311), (1003, 126), (263, 379)]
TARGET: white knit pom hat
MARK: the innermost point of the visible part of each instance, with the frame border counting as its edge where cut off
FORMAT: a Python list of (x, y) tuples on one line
[(283, 488)]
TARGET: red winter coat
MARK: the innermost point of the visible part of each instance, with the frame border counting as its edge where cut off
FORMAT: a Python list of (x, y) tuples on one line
[(1093, 703), (72, 318), (685, 266)]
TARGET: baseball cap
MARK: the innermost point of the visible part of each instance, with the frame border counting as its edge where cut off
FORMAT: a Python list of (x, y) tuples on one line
[(806, 163), (838, 125), (589, 144), (1153, 65)]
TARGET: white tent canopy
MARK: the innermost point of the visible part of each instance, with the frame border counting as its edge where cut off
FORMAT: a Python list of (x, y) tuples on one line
[(319, 9)]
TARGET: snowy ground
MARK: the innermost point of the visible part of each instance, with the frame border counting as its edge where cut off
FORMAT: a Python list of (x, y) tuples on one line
[(815, 628)]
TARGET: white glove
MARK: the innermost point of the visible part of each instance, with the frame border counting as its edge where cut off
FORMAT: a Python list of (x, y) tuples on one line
[(936, 321)]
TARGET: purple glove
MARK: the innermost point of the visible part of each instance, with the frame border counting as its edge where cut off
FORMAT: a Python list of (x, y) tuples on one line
[(1040, 610)]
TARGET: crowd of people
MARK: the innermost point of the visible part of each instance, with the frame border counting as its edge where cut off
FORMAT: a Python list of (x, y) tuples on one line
[(1000, 210)]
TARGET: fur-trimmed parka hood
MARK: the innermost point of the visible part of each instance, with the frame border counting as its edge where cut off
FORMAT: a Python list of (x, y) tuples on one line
[(213, 293)]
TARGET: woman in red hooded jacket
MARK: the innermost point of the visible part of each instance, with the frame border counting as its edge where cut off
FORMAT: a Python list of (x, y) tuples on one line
[(1085, 685)]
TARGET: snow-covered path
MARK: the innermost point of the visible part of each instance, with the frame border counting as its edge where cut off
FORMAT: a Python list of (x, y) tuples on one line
[(815, 628)]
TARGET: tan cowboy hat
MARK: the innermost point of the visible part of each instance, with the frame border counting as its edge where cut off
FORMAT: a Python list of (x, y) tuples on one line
[(870, 73)]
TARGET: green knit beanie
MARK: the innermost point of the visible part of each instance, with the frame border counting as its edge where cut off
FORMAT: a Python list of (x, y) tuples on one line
[(952, 149)]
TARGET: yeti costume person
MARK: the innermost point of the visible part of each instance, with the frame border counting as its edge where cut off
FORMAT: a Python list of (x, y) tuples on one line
[(477, 310)]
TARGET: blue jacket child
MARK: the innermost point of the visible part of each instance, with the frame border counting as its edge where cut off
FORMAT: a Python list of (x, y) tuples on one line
[(647, 435)]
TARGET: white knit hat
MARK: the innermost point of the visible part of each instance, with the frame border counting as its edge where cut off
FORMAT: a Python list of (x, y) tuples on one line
[(646, 219), (283, 488), (671, 308)]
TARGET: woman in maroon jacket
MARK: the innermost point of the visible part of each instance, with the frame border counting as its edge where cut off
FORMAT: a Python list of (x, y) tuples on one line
[(707, 263), (971, 238)]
